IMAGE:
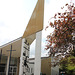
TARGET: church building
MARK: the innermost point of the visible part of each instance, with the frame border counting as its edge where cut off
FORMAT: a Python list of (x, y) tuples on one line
[(14, 56)]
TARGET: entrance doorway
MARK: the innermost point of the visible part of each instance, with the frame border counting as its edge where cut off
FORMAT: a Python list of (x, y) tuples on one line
[(13, 70)]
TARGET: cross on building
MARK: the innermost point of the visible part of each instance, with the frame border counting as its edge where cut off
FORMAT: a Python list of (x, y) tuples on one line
[(10, 59)]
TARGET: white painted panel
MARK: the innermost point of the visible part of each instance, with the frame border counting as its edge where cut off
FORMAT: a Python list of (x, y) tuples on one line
[(25, 49), (37, 67)]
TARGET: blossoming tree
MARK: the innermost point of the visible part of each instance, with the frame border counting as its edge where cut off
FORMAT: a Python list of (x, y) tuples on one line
[(61, 43)]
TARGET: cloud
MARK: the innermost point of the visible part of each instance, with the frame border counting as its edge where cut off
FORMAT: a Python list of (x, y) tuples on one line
[(14, 17)]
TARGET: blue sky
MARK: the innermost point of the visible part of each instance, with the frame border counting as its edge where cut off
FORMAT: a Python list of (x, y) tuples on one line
[(15, 14)]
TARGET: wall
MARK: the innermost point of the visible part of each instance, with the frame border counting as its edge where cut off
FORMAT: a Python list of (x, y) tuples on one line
[(46, 66), (54, 70)]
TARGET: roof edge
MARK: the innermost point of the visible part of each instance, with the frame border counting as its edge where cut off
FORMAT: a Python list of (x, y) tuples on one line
[(10, 42)]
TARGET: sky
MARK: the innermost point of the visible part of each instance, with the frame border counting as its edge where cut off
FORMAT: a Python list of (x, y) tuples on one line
[(15, 14)]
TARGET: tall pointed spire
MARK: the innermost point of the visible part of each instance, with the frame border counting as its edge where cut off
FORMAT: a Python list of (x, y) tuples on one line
[(36, 21)]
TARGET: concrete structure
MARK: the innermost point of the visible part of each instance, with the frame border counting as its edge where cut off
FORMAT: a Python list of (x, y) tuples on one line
[(19, 64), (33, 31)]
